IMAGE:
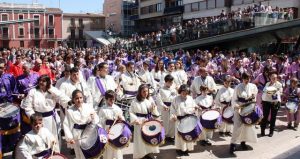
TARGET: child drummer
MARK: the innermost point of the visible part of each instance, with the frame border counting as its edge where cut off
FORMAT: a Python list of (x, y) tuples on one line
[(108, 114), (205, 102), (37, 143)]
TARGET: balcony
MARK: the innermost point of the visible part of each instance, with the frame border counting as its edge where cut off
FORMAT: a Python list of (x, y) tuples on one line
[(36, 36), (52, 36), (174, 10), (81, 25), (51, 25), (5, 36), (134, 17), (72, 25)]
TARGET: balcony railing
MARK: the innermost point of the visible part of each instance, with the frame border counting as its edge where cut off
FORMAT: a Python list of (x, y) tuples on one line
[(5, 36), (174, 10)]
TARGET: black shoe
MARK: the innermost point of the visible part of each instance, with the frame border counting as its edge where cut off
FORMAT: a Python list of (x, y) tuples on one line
[(228, 133), (202, 143), (179, 152), (72, 152), (289, 126), (222, 134), (244, 146), (262, 132), (147, 157), (271, 134), (169, 139), (185, 153), (208, 143), (232, 149)]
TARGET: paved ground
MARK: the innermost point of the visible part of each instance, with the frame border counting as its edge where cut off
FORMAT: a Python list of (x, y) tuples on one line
[(284, 144)]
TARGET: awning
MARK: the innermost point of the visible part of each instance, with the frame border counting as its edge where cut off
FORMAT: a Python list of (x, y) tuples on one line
[(17, 21), (98, 36)]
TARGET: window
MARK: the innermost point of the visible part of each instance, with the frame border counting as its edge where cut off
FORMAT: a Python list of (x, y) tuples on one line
[(21, 31), (4, 17), (195, 7), (203, 5), (144, 10), (158, 7), (37, 22), (51, 20), (80, 33), (80, 21), (179, 2), (51, 33), (36, 32), (72, 33), (211, 4), (21, 17), (188, 8), (151, 9), (21, 43), (72, 21), (5, 32)]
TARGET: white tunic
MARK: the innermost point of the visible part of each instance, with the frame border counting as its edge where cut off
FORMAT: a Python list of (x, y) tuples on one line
[(182, 76), (181, 107), (130, 82), (166, 95), (110, 113), (33, 143), (68, 87), (176, 83), (198, 81), (38, 101), (140, 148), (147, 77), (242, 132), (79, 116)]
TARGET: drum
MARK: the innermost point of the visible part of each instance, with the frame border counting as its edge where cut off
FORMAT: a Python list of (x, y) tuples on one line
[(211, 119), (153, 132), (227, 114), (57, 156), (251, 114), (291, 106), (93, 141), (189, 128), (119, 135), (271, 90), (9, 126)]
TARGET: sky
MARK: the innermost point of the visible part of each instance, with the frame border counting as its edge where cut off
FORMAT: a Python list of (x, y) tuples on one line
[(68, 6)]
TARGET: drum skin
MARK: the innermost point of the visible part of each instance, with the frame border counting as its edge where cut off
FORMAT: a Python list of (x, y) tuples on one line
[(253, 116), (211, 123), (125, 136), (155, 139), (192, 135)]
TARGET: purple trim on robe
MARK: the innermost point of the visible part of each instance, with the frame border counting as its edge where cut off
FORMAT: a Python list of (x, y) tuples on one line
[(100, 86)]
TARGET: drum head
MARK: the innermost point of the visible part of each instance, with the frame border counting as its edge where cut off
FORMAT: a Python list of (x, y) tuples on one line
[(115, 131), (187, 124), (228, 112), (8, 110), (291, 105), (151, 128), (89, 137), (248, 109), (57, 156), (210, 115)]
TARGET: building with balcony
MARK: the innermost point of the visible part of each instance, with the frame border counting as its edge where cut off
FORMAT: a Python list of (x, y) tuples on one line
[(120, 15), (44, 32), (75, 25)]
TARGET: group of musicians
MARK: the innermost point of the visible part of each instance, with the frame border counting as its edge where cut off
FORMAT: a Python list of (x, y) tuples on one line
[(159, 94)]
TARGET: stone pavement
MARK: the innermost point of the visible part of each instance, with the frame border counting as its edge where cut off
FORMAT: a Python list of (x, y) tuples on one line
[(284, 144)]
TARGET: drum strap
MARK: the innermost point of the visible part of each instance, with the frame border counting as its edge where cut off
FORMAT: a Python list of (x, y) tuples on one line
[(44, 153), (80, 127), (168, 104), (181, 117), (148, 116), (109, 122), (131, 92), (243, 100)]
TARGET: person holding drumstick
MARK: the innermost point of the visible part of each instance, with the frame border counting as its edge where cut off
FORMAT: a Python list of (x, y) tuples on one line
[(141, 110), (108, 114), (183, 105), (271, 102), (243, 93), (77, 118), (37, 143)]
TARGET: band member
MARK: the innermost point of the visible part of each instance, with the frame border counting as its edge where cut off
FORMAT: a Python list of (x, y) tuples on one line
[(261, 81), (223, 99), (75, 83), (182, 106), (146, 76), (108, 114), (292, 95), (203, 79), (205, 102), (7, 84), (77, 118), (181, 74), (271, 101), (243, 93), (42, 99), (164, 99), (65, 76), (142, 109), (100, 83), (159, 71), (130, 81), (37, 143), (171, 71)]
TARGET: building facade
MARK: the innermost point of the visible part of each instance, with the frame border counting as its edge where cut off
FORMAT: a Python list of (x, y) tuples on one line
[(75, 25), (119, 16), (45, 32)]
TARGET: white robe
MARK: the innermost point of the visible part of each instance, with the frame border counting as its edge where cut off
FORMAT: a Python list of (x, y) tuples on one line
[(78, 116), (176, 83), (110, 113), (182, 76), (224, 95), (38, 101), (181, 108), (33, 143), (198, 81), (147, 77), (166, 95), (130, 82), (242, 132), (140, 148)]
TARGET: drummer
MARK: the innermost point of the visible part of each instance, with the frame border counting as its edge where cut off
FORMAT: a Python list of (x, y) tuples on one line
[(77, 117), (164, 99), (243, 93), (37, 143), (141, 110), (271, 101), (182, 106), (108, 114), (205, 102), (292, 94), (7, 84), (223, 99), (203, 79), (130, 81)]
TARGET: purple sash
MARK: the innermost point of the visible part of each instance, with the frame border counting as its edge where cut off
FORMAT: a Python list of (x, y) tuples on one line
[(100, 86)]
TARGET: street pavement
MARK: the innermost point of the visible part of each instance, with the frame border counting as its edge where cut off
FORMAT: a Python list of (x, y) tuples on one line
[(285, 143)]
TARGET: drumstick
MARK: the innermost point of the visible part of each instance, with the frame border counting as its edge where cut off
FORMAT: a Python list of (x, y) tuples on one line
[(80, 139), (52, 150)]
